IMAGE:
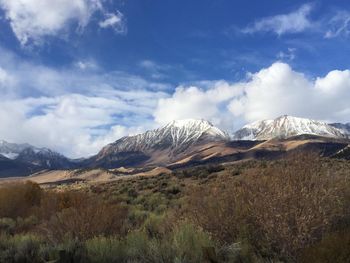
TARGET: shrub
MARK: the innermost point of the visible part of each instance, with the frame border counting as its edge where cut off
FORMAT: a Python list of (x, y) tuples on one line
[(279, 210), (20, 248), (189, 242), (334, 247), (106, 250), (19, 199), (137, 246), (7, 225), (92, 218)]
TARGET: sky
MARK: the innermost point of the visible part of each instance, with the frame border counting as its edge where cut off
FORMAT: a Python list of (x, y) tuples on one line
[(76, 75)]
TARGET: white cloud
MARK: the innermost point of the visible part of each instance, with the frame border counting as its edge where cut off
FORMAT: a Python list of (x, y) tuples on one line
[(294, 22), (86, 65), (6, 80), (70, 124), (72, 111), (73, 124), (194, 102), (77, 112), (268, 93), (31, 20), (280, 90), (338, 25), (115, 21)]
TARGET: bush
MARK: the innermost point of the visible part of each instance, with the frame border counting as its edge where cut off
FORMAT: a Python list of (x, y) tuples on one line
[(106, 250), (92, 218), (19, 199), (20, 248), (333, 248), (279, 210), (189, 243)]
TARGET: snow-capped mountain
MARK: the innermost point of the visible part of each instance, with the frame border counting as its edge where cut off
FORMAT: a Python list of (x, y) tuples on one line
[(344, 127), (176, 135), (12, 150), (23, 159), (174, 138), (286, 126)]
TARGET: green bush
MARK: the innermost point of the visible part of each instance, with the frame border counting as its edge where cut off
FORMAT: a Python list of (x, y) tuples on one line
[(137, 246), (20, 248), (106, 250), (7, 225), (189, 243)]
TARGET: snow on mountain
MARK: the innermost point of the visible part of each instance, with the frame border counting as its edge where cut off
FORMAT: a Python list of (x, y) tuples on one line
[(12, 150), (177, 135), (344, 127), (286, 126), (26, 153)]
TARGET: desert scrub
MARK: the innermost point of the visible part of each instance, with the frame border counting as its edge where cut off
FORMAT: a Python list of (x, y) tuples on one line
[(20, 248), (334, 247), (280, 209), (106, 250)]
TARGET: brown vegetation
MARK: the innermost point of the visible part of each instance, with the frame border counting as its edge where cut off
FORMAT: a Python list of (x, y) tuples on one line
[(291, 210), (279, 210)]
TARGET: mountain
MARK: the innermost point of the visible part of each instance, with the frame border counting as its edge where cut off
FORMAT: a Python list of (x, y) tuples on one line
[(24, 159), (344, 127), (12, 150), (287, 126), (159, 146)]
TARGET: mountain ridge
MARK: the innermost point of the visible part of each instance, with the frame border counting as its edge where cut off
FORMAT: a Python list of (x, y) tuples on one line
[(173, 139), (287, 126), (181, 142)]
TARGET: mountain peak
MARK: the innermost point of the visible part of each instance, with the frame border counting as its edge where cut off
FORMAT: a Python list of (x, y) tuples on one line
[(286, 126), (172, 139), (189, 122)]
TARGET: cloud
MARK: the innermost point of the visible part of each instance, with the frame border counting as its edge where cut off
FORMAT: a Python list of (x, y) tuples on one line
[(266, 94), (115, 21), (72, 124), (77, 111), (195, 102), (31, 20), (6, 80), (338, 25), (294, 22), (287, 55), (279, 89), (73, 111)]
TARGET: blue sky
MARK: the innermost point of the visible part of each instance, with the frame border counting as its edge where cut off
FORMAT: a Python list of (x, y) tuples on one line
[(78, 74)]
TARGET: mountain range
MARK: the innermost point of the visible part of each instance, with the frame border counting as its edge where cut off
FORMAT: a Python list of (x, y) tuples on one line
[(24, 159), (187, 142), (287, 126)]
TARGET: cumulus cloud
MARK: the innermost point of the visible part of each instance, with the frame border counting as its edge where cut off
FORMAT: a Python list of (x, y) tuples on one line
[(198, 103), (31, 20), (77, 111), (280, 90), (294, 22), (72, 124), (72, 111), (266, 94)]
